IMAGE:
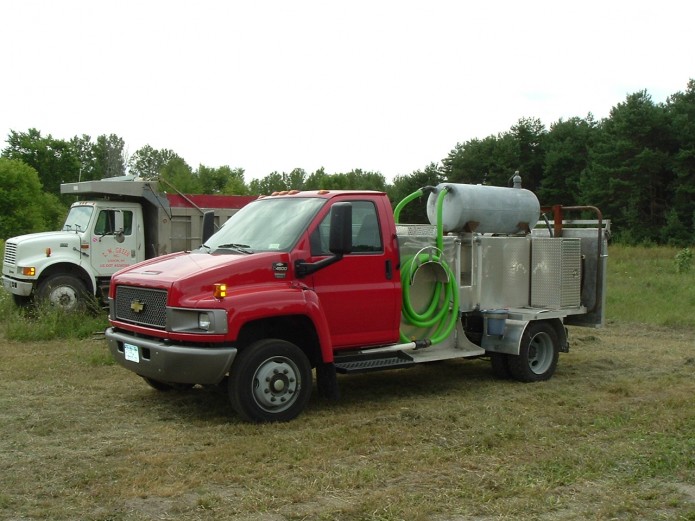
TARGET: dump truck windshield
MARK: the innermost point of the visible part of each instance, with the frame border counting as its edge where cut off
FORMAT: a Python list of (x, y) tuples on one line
[(78, 218)]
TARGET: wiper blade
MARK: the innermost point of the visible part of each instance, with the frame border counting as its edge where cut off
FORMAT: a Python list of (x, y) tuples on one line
[(243, 248)]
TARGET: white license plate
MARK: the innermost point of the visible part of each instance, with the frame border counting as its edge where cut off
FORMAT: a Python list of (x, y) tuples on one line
[(131, 353)]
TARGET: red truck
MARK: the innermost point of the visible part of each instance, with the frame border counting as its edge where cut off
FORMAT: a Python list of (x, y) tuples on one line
[(331, 281)]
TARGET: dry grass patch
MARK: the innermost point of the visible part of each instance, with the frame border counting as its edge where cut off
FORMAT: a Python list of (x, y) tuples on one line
[(609, 437)]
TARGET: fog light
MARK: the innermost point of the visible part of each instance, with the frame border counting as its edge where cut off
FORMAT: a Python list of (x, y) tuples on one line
[(29, 271), (204, 321)]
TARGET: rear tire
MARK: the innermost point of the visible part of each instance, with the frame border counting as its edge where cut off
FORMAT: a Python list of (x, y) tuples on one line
[(270, 381), (538, 353)]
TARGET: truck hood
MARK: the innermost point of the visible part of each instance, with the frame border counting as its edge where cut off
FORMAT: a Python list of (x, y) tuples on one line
[(41, 238), (196, 273), (31, 247)]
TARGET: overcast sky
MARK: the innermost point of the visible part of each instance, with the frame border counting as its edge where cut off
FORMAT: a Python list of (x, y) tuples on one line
[(387, 86)]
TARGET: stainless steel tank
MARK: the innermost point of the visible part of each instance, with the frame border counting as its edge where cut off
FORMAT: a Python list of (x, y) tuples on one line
[(485, 209)]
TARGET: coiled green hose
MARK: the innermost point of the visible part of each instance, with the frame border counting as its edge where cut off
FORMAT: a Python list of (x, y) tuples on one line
[(440, 313)]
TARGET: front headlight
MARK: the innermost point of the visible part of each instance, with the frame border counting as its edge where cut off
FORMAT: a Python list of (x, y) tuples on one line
[(187, 320), (204, 321)]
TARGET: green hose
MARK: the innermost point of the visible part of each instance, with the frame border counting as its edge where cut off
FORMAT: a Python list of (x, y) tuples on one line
[(399, 206), (442, 314)]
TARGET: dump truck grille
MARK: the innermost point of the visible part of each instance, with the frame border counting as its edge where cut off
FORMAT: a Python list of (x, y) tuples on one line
[(10, 253), (141, 306)]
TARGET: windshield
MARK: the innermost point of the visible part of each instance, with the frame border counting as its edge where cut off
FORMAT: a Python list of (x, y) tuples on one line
[(266, 225), (78, 218)]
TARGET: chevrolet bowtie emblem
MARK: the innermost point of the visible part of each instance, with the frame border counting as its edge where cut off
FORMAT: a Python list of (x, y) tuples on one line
[(137, 306)]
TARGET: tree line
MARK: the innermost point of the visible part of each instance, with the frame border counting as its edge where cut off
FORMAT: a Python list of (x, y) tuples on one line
[(637, 165)]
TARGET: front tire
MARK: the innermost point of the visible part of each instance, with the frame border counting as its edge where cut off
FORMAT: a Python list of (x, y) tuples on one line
[(270, 381), (65, 292), (538, 353)]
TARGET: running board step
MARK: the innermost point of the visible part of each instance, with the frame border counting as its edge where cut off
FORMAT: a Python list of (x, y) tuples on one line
[(364, 363)]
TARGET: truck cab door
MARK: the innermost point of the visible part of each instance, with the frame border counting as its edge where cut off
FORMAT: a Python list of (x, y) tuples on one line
[(113, 241), (360, 294)]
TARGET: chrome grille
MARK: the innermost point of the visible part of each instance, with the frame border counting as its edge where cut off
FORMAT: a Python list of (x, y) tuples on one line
[(10, 253), (147, 307)]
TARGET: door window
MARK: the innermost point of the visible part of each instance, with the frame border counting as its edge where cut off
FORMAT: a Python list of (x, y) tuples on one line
[(106, 222), (366, 234)]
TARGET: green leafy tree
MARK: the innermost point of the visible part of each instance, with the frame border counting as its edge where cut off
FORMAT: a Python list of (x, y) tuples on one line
[(148, 162), (177, 175), (680, 109), (236, 185), (222, 180), (85, 153), (403, 186), (528, 135), (56, 161), (273, 182), (492, 160), (24, 206), (295, 179), (318, 180), (566, 149), (470, 162), (675, 232), (109, 156), (359, 179), (629, 175)]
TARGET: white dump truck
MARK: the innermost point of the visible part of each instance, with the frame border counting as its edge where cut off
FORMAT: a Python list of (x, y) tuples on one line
[(114, 223)]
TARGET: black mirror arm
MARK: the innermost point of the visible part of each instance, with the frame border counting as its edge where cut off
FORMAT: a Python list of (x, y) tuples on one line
[(303, 268)]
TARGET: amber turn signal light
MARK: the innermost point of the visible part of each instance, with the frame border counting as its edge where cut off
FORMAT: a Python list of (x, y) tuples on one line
[(220, 291)]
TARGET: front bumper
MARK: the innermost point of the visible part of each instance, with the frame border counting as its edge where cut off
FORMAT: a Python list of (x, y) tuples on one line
[(170, 363), (17, 287)]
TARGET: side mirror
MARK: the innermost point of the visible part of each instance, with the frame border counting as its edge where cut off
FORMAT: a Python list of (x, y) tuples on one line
[(119, 226), (340, 239), (208, 225)]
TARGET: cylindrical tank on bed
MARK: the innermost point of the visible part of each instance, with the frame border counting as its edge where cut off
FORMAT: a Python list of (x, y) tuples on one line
[(484, 209)]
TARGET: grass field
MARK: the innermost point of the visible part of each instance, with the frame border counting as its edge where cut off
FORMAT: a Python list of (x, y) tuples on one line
[(611, 436)]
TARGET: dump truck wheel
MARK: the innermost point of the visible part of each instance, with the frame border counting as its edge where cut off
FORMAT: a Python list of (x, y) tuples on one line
[(270, 381), (538, 354), (66, 292)]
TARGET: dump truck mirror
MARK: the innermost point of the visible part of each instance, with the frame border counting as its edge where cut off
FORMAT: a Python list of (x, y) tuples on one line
[(340, 240), (119, 226), (208, 225)]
